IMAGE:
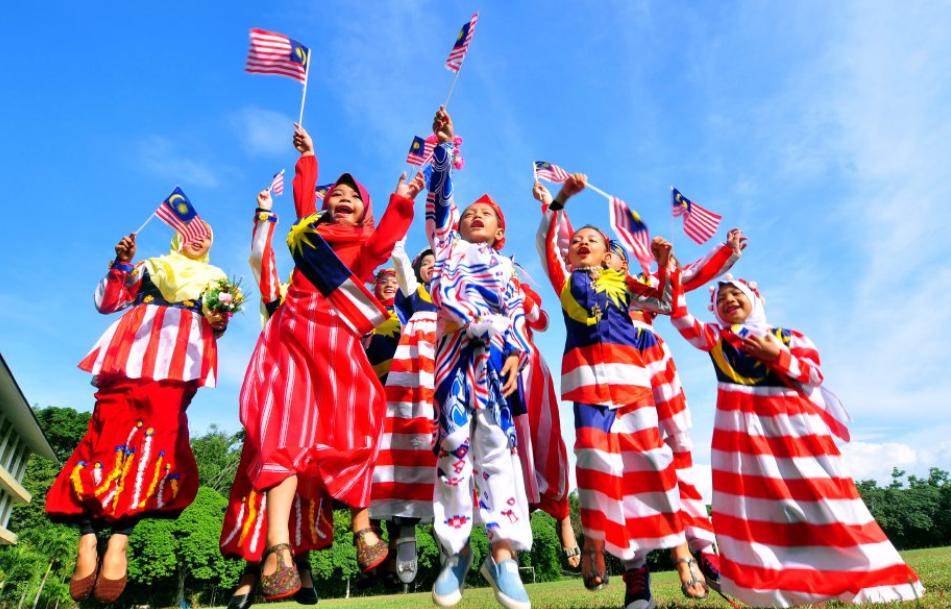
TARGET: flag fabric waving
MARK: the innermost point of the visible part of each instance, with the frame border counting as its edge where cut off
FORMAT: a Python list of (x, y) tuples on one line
[(321, 191), (458, 52), (273, 53), (277, 183), (179, 213), (417, 152), (552, 173), (699, 224), (631, 229)]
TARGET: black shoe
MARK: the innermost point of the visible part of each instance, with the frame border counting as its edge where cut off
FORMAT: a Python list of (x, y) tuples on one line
[(241, 601), (638, 593), (306, 596)]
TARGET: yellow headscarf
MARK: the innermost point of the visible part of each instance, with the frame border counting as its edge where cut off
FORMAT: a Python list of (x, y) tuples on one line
[(180, 278)]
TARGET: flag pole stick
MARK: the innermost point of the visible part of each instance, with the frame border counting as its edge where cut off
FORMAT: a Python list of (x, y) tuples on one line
[(147, 220), (534, 172), (456, 77), (303, 97), (673, 227), (598, 190)]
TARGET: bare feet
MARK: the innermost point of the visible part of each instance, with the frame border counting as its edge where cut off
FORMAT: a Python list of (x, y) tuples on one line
[(115, 562), (87, 558)]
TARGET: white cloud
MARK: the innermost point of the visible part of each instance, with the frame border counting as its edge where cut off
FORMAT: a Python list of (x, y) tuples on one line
[(867, 460), (159, 158), (263, 132)]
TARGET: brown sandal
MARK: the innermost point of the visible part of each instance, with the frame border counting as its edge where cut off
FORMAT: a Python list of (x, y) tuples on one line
[(81, 589), (285, 581), (369, 557)]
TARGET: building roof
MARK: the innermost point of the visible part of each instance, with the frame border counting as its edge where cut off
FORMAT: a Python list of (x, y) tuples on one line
[(14, 406)]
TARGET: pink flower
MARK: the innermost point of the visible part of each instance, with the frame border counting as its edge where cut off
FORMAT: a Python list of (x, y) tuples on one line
[(225, 298)]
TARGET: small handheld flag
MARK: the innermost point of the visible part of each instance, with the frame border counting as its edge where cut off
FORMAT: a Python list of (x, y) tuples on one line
[(273, 53), (417, 152), (552, 173), (631, 229), (321, 191), (179, 213), (699, 223), (277, 183), (458, 53)]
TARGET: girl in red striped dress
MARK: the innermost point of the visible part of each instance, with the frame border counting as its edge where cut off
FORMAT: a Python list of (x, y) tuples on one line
[(630, 504), (790, 524), (405, 473), (135, 460), (311, 405)]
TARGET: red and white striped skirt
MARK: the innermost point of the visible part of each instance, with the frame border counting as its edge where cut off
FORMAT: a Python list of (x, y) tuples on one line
[(626, 480), (405, 474), (674, 420), (791, 526), (542, 450), (311, 404)]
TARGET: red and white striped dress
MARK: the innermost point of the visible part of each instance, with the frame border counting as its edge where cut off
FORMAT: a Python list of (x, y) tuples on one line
[(311, 404), (543, 453), (672, 412), (790, 524), (135, 459), (627, 484)]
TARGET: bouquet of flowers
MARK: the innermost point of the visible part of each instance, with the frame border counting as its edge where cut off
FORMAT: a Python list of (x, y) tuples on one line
[(224, 297)]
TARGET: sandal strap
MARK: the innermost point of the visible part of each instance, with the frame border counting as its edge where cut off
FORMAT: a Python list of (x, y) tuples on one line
[(572, 552), (364, 532), (689, 561), (277, 548)]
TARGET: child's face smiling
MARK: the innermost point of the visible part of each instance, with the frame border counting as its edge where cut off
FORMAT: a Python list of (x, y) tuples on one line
[(385, 288), (345, 205), (479, 224), (587, 248), (426, 268), (732, 305)]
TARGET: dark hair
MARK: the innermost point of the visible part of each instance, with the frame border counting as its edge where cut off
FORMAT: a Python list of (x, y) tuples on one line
[(607, 241), (418, 262)]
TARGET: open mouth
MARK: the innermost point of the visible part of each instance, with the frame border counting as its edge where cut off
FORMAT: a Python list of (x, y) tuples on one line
[(477, 224), (584, 250), (731, 308), (343, 210)]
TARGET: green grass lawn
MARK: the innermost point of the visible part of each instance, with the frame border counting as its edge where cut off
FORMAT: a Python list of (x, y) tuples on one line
[(933, 567)]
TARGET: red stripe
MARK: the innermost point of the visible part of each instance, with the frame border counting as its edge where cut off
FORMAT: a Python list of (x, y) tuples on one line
[(176, 367), (764, 405), (598, 394), (811, 581), (402, 425), (117, 355), (807, 489), (617, 443), (601, 353), (628, 484), (620, 534), (783, 448), (151, 350), (423, 458), (415, 395), (403, 491), (798, 534)]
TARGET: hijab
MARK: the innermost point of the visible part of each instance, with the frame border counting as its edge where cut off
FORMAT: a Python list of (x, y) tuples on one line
[(180, 278)]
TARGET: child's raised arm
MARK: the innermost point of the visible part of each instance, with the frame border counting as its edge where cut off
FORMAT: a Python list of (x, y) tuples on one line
[(263, 261), (554, 231), (305, 174), (701, 335), (717, 262), (119, 287), (405, 275), (393, 226), (441, 212)]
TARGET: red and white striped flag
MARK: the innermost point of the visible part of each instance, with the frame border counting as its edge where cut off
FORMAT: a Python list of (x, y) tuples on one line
[(178, 212), (699, 224), (458, 52), (633, 232), (273, 53), (277, 183), (552, 173)]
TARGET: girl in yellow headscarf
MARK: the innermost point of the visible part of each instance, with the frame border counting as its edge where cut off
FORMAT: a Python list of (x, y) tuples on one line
[(135, 460)]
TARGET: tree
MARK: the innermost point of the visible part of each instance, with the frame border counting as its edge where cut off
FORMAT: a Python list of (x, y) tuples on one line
[(913, 514), (217, 455), (546, 548)]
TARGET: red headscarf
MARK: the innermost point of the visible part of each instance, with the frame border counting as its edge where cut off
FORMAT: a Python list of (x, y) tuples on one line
[(335, 233), (487, 200)]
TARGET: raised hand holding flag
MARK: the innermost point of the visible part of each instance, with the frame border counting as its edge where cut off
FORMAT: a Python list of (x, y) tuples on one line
[(457, 55), (699, 224), (273, 53)]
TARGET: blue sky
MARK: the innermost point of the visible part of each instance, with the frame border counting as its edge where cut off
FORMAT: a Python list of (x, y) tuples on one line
[(820, 128)]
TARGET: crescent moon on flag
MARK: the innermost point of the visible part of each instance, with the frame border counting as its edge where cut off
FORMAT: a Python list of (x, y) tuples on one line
[(171, 199), (301, 55)]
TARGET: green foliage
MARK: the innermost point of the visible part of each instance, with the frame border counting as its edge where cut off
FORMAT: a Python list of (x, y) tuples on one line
[(217, 454), (63, 427), (546, 548), (915, 513)]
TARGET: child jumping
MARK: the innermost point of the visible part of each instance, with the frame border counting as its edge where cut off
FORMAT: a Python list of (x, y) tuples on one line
[(480, 348), (790, 524)]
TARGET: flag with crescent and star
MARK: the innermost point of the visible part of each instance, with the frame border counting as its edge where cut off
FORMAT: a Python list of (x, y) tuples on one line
[(178, 212), (459, 49), (627, 224), (321, 190), (700, 224), (417, 152), (273, 53)]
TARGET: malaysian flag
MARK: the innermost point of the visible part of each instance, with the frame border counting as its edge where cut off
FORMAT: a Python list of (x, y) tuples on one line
[(277, 183), (627, 224), (314, 257), (417, 152), (322, 191), (552, 173), (699, 224), (273, 53), (458, 52), (177, 211)]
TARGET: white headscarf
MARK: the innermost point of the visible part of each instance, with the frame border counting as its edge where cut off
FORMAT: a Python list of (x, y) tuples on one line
[(755, 323)]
